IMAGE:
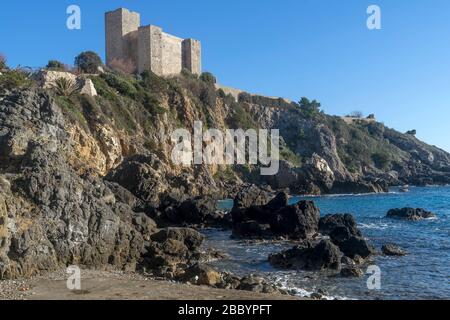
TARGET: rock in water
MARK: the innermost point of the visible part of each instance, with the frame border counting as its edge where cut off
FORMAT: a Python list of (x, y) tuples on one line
[(351, 272), (410, 214), (309, 256), (392, 250), (344, 233), (329, 223), (250, 196), (276, 219)]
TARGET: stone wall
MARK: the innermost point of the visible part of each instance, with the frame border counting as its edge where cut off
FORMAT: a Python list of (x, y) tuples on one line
[(172, 55)]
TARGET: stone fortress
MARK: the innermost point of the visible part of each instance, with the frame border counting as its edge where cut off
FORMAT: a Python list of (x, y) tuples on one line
[(148, 47)]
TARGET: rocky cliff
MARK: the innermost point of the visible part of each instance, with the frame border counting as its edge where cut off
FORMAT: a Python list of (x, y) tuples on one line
[(83, 179)]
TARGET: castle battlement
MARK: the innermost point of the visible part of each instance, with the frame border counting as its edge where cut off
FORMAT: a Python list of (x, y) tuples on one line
[(148, 47)]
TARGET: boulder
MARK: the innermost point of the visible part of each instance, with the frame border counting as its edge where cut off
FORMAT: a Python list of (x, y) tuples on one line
[(276, 219), (392, 250), (410, 214), (329, 223), (344, 233), (299, 221), (309, 256), (191, 238), (256, 284), (351, 272), (250, 196), (171, 251), (355, 246), (201, 274)]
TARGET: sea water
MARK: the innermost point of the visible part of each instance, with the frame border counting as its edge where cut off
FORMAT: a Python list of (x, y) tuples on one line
[(423, 274)]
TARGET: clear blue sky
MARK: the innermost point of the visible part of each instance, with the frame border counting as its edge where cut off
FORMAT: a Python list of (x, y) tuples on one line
[(320, 49)]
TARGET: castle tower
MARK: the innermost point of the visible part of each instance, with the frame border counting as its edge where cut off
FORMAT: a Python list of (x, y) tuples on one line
[(148, 47), (150, 54), (192, 59), (121, 28)]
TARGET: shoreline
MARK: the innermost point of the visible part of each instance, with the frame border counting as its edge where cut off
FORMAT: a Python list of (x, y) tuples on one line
[(118, 285)]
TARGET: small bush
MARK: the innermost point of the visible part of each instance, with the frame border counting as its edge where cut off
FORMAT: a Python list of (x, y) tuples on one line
[(15, 79), (381, 160), (122, 85), (208, 78), (88, 62), (56, 65), (412, 132), (2, 62)]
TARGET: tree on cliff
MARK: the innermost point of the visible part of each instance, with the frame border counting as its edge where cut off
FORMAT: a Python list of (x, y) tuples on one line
[(2, 62), (310, 108), (88, 62)]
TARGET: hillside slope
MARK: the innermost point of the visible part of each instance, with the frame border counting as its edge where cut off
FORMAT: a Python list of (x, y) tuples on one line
[(83, 180)]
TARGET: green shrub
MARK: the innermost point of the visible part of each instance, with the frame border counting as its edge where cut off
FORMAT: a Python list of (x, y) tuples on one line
[(309, 108), (103, 89), (55, 65), (208, 78), (240, 118), (123, 86), (2, 62), (70, 108), (15, 79), (88, 62), (381, 160)]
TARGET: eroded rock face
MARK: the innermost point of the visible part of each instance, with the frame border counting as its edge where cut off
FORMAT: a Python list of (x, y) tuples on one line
[(410, 214), (172, 250), (309, 256), (143, 176), (276, 219)]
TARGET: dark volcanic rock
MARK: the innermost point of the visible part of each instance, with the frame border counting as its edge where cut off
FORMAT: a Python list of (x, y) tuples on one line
[(392, 250), (351, 272), (344, 233), (355, 246), (172, 250), (250, 196), (309, 256), (276, 219), (196, 211), (410, 214), (329, 223), (143, 176)]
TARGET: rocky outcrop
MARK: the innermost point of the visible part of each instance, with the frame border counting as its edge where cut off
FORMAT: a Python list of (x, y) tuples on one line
[(410, 214), (171, 251), (197, 211), (351, 272), (276, 219), (309, 256), (392, 250), (344, 233)]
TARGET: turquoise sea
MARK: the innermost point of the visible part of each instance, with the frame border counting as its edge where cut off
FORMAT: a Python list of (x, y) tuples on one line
[(423, 274)]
